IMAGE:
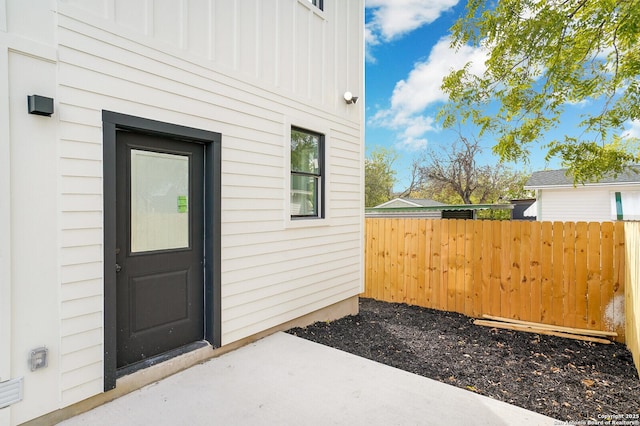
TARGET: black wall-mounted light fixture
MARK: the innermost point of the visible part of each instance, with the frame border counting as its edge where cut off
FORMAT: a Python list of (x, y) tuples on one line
[(40, 105)]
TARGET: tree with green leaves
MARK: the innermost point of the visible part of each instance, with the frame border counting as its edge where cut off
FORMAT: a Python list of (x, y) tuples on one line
[(379, 176), (544, 55)]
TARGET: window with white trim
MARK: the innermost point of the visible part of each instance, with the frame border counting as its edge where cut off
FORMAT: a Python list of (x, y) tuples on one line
[(307, 174)]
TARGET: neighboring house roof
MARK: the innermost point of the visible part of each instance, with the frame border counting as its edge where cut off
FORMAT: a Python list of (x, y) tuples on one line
[(408, 202), (448, 207), (560, 179), (379, 212), (421, 207)]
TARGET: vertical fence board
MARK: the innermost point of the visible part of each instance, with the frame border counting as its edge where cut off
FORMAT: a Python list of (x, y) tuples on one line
[(403, 261), (428, 258), (400, 261), (515, 252), (370, 250), (477, 279), (467, 269), (487, 249), (569, 278), (370, 240), (445, 254), (606, 252), (389, 230), (383, 255), (377, 228), (451, 265), (557, 283), (413, 256), (404, 268), (421, 263), (505, 268), (581, 275), (495, 267), (593, 276), (459, 266), (413, 236), (525, 272), (547, 257), (436, 271), (536, 272), (367, 262), (619, 282)]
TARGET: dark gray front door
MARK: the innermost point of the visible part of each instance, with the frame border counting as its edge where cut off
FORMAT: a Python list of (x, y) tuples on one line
[(159, 245)]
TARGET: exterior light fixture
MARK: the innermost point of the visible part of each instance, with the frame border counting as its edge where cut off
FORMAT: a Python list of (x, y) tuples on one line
[(349, 98), (40, 105)]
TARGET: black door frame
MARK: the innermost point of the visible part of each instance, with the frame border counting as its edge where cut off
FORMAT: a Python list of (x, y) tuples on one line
[(212, 141)]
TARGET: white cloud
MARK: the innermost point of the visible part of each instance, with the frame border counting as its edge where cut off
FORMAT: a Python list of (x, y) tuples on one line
[(412, 144), (394, 18), (370, 41), (421, 89), (633, 131), (410, 129)]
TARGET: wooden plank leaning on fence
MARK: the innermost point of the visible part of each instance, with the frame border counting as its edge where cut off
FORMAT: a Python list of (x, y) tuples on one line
[(573, 330), (531, 329)]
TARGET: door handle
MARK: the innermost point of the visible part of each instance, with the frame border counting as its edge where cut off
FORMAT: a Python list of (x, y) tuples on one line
[(118, 268)]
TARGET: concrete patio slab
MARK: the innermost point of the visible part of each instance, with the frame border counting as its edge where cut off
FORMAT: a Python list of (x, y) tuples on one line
[(286, 380)]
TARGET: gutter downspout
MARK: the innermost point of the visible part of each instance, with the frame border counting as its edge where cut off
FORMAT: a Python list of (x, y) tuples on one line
[(619, 213)]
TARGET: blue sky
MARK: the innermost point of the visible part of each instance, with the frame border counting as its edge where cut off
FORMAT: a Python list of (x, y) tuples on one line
[(407, 54)]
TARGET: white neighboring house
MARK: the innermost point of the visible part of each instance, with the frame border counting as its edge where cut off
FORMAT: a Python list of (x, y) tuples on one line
[(610, 199), (155, 158)]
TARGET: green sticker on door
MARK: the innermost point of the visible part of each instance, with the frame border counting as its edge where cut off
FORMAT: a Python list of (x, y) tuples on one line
[(182, 204)]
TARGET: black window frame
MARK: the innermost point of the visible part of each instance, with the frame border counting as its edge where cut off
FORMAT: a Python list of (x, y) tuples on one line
[(320, 176), (318, 3)]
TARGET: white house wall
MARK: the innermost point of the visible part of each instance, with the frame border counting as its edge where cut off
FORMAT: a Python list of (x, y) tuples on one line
[(589, 204), (34, 230), (248, 69)]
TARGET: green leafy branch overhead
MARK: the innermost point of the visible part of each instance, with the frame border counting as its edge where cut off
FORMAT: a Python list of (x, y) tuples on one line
[(544, 55)]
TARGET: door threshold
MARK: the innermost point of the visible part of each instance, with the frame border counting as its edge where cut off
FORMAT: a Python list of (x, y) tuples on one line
[(149, 362)]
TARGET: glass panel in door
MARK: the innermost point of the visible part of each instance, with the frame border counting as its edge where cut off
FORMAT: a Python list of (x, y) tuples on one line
[(159, 201)]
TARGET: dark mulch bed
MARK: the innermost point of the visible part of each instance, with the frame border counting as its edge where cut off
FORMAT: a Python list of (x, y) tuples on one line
[(566, 379)]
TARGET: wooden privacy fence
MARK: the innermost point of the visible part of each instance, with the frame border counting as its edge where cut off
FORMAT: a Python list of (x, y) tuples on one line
[(632, 290), (561, 273)]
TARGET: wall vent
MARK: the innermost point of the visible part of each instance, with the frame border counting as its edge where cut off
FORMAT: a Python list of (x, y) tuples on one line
[(10, 392)]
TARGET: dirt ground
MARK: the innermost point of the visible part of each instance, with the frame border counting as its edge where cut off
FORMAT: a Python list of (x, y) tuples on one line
[(566, 379)]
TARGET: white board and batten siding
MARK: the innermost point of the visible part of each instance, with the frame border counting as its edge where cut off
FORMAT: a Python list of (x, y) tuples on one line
[(248, 69)]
